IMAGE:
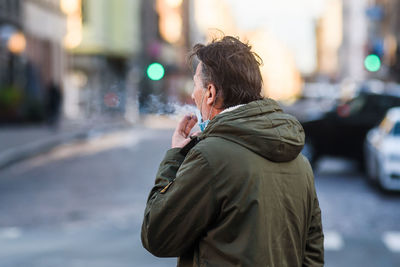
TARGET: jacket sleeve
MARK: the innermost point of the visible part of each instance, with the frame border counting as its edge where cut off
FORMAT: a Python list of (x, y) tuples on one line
[(314, 253), (180, 206)]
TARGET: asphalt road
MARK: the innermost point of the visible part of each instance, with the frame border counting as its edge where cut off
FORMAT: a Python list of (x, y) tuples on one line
[(82, 205)]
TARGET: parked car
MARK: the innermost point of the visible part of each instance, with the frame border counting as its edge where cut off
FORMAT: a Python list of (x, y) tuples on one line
[(382, 151), (342, 130)]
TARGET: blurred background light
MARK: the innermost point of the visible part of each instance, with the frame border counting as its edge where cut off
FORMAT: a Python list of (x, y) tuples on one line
[(72, 40), (73, 37), (155, 71), (372, 63), (281, 77), (111, 100), (174, 3), (17, 43), (70, 6), (170, 20), (171, 28)]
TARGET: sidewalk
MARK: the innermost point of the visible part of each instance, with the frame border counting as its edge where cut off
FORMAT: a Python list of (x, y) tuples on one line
[(23, 141)]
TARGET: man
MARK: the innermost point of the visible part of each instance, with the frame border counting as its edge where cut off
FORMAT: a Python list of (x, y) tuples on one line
[(240, 193)]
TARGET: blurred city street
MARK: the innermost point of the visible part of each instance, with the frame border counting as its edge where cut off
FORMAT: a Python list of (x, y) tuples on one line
[(91, 90), (82, 203)]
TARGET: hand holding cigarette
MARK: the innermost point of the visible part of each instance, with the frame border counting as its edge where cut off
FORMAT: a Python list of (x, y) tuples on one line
[(181, 137)]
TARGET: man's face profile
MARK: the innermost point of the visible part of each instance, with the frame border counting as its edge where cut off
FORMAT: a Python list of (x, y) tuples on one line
[(198, 89)]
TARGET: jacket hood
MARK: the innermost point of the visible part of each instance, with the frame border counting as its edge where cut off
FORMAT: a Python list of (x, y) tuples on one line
[(262, 127)]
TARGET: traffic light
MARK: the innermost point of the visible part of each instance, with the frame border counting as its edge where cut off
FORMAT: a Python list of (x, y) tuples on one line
[(155, 71), (372, 63)]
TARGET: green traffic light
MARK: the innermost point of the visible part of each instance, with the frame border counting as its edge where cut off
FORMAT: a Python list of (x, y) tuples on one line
[(155, 71), (372, 63)]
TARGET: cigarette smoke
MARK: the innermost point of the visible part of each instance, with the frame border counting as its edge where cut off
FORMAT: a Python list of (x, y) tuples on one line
[(171, 109)]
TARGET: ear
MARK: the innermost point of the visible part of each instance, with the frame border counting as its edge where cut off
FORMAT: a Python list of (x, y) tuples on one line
[(211, 95)]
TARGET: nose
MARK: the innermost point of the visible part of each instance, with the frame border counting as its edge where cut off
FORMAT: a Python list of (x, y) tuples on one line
[(193, 95)]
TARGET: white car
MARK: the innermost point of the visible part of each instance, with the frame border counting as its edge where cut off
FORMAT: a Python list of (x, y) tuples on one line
[(382, 151)]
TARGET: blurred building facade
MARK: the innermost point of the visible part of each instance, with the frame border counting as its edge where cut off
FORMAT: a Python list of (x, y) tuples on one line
[(103, 39), (10, 24), (112, 44), (31, 57), (370, 28), (352, 51), (166, 39), (384, 37), (329, 36), (45, 28), (281, 76)]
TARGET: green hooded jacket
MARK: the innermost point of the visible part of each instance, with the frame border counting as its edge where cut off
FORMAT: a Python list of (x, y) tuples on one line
[(242, 196)]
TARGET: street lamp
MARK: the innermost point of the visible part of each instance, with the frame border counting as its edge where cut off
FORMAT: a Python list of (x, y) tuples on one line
[(17, 43)]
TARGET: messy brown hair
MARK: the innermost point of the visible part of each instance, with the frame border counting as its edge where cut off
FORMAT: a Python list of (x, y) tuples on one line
[(232, 68)]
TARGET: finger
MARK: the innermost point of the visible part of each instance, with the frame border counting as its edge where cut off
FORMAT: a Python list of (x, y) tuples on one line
[(194, 117), (182, 124), (191, 123), (185, 142), (196, 133)]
